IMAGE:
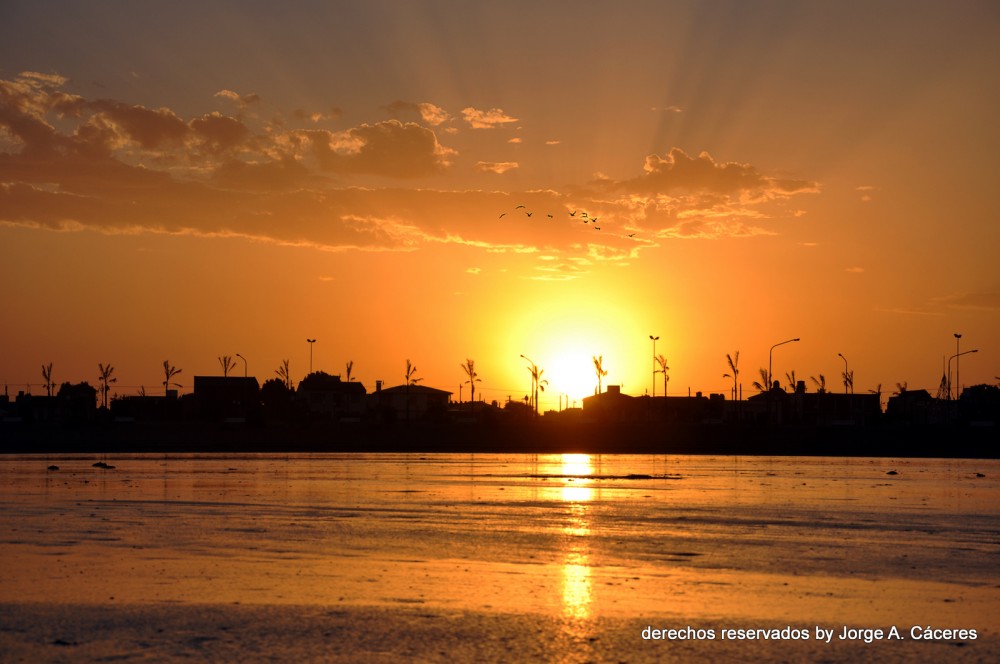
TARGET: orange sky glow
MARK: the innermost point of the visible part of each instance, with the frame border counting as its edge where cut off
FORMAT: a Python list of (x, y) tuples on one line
[(188, 180)]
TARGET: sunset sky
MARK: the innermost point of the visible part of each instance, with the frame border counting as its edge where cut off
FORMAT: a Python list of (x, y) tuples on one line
[(184, 180)]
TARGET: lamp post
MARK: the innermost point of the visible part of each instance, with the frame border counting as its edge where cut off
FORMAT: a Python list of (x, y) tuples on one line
[(770, 355), (958, 351), (311, 342), (845, 371), (654, 340), (244, 364), (533, 391), (956, 355)]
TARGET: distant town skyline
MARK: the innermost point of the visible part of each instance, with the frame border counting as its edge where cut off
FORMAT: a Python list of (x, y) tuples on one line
[(415, 181)]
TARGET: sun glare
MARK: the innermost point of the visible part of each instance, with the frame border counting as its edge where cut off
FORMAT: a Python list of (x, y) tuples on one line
[(563, 336), (570, 372)]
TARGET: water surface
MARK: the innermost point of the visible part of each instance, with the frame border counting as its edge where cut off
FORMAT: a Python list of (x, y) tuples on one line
[(574, 539)]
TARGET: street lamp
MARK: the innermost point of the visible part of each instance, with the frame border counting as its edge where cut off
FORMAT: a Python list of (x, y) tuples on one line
[(244, 364), (532, 391), (311, 342), (845, 371), (957, 387), (654, 339), (958, 351), (770, 354)]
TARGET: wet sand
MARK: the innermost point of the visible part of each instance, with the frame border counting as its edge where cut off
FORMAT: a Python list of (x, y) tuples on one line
[(494, 557)]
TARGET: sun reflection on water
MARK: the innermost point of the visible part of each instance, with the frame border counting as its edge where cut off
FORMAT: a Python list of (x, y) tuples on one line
[(577, 593), (576, 470), (577, 589)]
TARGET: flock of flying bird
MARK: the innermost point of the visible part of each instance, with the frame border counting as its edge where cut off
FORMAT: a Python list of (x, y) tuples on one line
[(584, 217)]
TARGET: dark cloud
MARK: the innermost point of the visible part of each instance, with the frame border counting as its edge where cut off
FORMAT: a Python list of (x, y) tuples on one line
[(678, 172), (151, 129), (389, 148)]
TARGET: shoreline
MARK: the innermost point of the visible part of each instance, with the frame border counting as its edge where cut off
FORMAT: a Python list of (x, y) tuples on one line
[(523, 437), (58, 632)]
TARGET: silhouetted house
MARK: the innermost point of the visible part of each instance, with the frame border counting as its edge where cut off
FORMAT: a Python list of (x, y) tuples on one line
[(979, 405), (913, 407), (145, 407), (824, 409), (328, 397), (612, 406), (225, 397), (72, 404), (414, 402), (36, 409), (473, 411)]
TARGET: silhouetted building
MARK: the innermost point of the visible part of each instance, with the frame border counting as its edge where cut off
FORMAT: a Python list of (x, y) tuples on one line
[(979, 405), (225, 397), (612, 406), (329, 397), (913, 407), (815, 408), (145, 407), (413, 402)]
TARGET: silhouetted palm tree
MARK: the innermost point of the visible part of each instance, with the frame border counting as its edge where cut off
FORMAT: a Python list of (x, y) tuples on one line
[(350, 367), (106, 379), (285, 374), (537, 383), (848, 377), (820, 383), (411, 371), (47, 375), (470, 370), (169, 371), (600, 370), (662, 363), (764, 384), (878, 392), (790, 377), (734, 362), (227, 363)]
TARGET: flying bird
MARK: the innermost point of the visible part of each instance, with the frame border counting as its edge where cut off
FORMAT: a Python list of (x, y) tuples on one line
[(631, 234), (549, 216), (573, 213), (597, 228), (529, 213), (503, 214), (518, 207)]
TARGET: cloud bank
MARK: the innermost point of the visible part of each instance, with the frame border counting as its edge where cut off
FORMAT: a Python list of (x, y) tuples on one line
[(69, 163)]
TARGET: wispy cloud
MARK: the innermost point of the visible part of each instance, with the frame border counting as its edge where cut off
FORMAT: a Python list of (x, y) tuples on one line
[(242, 100), (316, 116), (986, 300), (494, 117), (866, 190), (498, 167), (431, 114)]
